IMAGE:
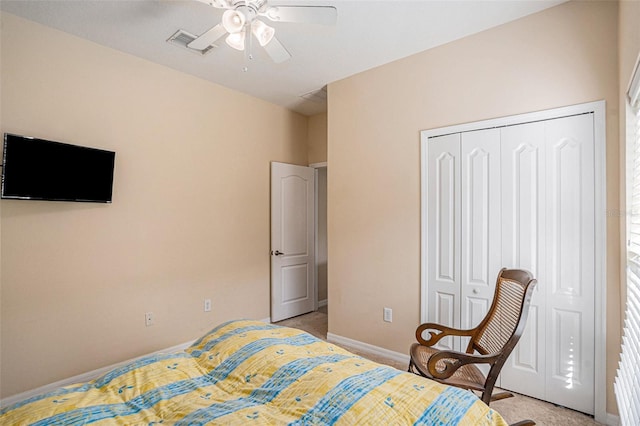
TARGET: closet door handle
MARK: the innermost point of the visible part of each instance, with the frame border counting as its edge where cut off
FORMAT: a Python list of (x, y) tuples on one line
[(277, 253)]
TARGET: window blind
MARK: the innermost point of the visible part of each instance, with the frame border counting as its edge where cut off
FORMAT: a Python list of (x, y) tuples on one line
[(627, 383)]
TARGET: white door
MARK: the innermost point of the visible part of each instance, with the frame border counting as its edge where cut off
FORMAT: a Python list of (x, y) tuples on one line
[(548, 228), (571, 271), (444, 234), (480, 233), (293, 289), (523, 246), (464, 170)]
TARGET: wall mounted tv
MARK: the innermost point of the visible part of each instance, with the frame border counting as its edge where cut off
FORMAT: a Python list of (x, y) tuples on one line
[(38, 169)]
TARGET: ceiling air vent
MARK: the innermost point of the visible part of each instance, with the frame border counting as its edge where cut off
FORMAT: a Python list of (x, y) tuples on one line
[(318, 95), (182, 38)]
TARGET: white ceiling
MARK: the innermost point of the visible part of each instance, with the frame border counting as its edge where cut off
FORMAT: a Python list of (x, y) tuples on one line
[(367, 34)]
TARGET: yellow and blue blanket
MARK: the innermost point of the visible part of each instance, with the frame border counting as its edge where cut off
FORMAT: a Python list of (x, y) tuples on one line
[(252, 373)]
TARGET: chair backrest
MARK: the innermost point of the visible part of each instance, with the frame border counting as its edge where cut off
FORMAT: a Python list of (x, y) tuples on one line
[(505, 321)]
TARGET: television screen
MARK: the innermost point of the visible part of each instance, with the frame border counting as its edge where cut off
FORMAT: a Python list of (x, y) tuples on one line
[(37, 169)]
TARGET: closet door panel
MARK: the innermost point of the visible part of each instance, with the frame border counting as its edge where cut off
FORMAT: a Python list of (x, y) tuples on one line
[(571, 277), (523, 242), (519, 196), (480, 260), (443, 168)]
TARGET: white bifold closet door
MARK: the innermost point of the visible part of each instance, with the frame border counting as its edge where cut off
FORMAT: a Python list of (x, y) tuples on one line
[(480, 236), (548, 227), (443, 246), (519, 196), (464, 170), (524, 238)]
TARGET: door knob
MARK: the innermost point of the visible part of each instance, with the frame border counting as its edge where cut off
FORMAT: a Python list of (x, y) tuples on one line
[(277, 253)]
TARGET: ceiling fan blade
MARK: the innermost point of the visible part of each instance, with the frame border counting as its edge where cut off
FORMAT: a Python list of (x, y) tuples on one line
[(208, 38), (276, 51), (220, 4), (322, 15)]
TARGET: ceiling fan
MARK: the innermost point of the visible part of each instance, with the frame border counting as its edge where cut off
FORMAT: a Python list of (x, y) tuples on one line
[(241, 22)]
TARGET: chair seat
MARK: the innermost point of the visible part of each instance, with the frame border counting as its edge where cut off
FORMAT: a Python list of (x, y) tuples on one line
[(468, 376)]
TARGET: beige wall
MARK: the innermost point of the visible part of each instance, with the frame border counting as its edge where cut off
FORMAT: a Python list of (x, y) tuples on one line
[(629, 50), (629, 39), (189, 219), (562, 56), (317, 138)]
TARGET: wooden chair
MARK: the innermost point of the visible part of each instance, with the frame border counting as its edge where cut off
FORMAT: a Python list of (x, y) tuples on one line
[(491, 341)]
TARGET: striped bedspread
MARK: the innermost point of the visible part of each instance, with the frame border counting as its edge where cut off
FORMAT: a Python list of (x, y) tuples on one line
[(252, 373)]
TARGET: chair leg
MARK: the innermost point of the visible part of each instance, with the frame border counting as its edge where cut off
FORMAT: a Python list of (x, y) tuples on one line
[(523, 423), (501, 395)]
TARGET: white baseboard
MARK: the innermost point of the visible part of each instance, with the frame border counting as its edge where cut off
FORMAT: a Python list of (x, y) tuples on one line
[(322, 303), (84, 377), (366, 347), (267, 320)]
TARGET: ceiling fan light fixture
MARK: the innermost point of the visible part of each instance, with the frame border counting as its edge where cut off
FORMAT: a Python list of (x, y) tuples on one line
[(236, 40), (263, 32), (233, 21)]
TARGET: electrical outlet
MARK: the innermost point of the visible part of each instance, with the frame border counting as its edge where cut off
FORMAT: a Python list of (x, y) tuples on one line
[(388, 314), (207, 305), (148, 319)]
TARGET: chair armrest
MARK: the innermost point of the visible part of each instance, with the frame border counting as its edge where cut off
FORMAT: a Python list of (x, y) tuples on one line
[(440, 332), (459, 359)]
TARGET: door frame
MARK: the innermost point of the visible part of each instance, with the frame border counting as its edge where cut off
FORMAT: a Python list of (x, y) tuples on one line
[(316, 166), (598, 109)]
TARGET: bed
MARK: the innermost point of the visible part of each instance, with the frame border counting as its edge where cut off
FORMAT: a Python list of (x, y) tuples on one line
[(253, 373)]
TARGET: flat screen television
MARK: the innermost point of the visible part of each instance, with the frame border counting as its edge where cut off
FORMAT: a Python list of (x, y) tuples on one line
[(38, 169)]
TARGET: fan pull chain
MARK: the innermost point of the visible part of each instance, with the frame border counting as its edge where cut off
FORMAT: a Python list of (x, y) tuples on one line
[(248, 56), (248, 44)]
